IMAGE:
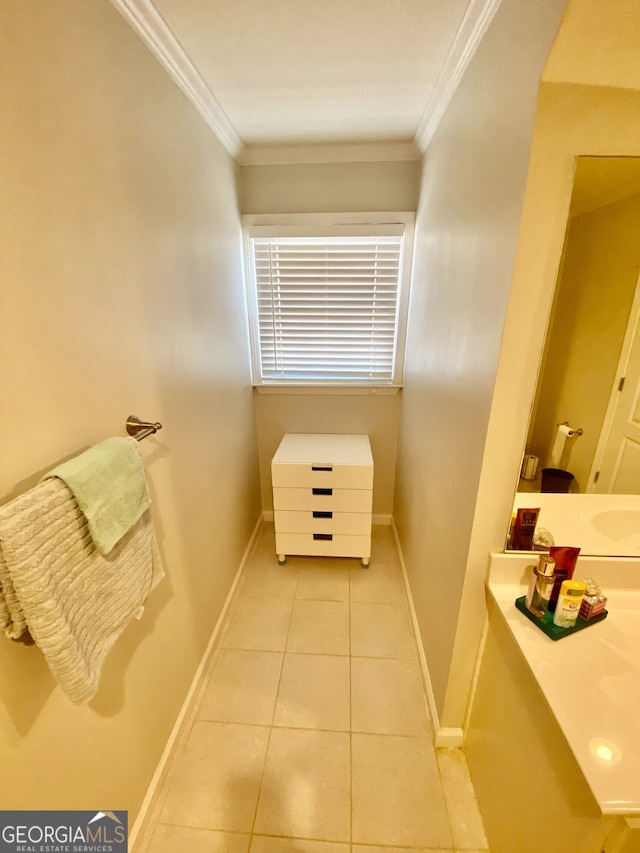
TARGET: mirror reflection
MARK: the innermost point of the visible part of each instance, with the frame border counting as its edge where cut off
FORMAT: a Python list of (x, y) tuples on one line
[(584, 432), (585, 425)]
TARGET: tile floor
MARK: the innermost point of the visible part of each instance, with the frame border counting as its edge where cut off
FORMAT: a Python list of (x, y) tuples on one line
[(311, 732)]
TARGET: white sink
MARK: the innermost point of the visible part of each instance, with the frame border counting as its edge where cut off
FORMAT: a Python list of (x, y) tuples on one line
[(600, 525), (616, 523)]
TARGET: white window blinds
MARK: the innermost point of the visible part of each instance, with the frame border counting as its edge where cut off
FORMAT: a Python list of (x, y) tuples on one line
[(327, 306)]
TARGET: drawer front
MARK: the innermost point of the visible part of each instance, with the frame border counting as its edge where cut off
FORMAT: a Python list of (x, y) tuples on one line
[(323, 521), (340, 545), (322, 475), (328, 499)]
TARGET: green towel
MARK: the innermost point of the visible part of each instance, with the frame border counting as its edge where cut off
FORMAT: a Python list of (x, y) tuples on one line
[(110, 488)]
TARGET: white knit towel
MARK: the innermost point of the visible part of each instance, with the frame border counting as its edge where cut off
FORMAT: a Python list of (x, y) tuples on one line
[(74, 601)]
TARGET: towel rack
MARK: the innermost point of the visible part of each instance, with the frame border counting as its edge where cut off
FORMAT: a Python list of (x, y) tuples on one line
[(141, 429)]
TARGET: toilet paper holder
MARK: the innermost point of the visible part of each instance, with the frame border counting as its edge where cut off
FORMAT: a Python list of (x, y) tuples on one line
[(572, 431)]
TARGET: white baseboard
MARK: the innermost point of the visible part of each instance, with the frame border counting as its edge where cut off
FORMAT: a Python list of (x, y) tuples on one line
[(189, 698), (448, 738), (426, 678)]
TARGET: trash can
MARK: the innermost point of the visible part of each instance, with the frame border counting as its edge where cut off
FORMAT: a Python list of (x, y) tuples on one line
[(555, 480)]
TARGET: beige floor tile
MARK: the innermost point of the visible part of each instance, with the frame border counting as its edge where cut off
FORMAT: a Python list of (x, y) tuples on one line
[(263, 577), (171, 839), (367, 848), (381, 631), (269, 844), (387, 697), (310, 761), (217, 777), (302, 562), (380, 583), (242, 687), (383, 542), (305, 790), (259, 624), (314, 692), (397, 798), (464, 815), (323, 581), (266, 579), (319, 627)]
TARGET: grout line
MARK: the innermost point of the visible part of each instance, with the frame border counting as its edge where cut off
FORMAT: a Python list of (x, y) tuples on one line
[(264, 767), (326, 730), (308, 839), (351, 719), (271, 726), (350, 753)]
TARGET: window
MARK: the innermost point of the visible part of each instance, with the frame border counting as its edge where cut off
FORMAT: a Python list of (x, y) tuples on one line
[(328, 298)]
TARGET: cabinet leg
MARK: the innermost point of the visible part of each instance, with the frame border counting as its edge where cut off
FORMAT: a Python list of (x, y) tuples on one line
[(282, 559), (364, 562)]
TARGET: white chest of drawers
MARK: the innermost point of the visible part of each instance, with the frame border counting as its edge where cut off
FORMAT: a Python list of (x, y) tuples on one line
[(322, 496)]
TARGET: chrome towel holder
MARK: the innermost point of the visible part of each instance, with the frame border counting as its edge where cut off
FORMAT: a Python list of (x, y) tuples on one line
[(141, 429)]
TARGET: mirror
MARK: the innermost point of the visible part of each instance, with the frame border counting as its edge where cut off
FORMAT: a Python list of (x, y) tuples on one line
[(594, 299), (584, 431)]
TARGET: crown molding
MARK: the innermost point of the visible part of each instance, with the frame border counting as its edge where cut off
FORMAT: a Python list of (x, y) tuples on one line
[(148, 24), (474, 24), (296, 154), (145, 20)]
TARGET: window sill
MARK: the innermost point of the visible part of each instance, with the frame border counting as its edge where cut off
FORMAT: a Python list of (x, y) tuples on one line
[(328, 389)]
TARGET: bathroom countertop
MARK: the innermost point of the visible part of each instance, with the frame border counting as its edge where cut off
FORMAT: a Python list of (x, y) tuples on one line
[(590, 679)]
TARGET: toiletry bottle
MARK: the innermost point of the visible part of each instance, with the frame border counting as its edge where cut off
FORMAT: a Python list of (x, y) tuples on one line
[(540, 586), (524, 528), (569, 601), (566, 559)]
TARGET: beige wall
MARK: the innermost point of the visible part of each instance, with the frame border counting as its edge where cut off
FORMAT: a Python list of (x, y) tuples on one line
[(472, 190), (375, 415), (328, 188), (591, 311), (121, 293), (570, 120)]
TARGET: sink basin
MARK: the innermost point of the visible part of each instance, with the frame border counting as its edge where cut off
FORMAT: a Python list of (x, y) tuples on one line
[(616, 523), (600, 525)]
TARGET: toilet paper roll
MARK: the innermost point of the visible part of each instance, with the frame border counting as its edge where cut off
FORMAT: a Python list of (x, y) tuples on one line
[(563, 431), (529, 467)]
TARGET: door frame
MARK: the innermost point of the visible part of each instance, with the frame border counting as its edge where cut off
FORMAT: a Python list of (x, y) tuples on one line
[(614, 397)]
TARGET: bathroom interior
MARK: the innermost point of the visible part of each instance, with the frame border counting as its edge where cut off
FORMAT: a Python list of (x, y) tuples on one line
[(123, 291)]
